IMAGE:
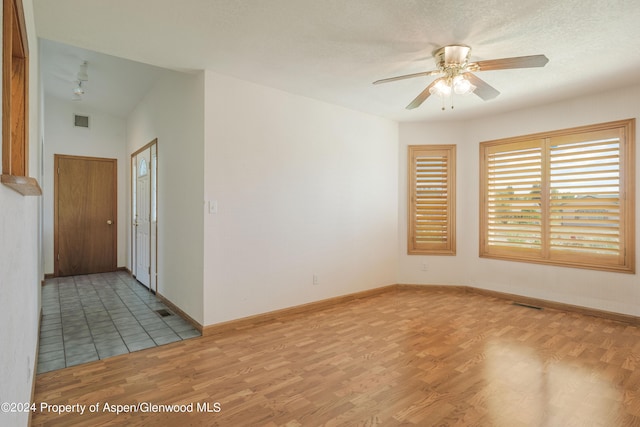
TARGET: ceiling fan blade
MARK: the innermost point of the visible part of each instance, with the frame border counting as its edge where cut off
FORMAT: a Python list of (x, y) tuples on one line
[(507, 63), (483, 89), (407, 76), (421, 98)]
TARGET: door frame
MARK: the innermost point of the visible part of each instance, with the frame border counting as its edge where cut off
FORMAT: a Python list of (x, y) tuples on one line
[(153, 236), (56, 252)]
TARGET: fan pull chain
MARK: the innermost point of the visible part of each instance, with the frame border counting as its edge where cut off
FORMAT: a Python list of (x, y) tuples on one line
[(443, 100)]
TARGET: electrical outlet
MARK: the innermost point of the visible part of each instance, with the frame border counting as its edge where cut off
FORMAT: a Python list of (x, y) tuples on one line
[(315, 279), (425, 267)]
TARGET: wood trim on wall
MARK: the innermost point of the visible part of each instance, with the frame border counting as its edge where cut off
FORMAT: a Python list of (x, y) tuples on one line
[(15, 101), (132, 233), (22, 184), (15, 93), (140, 150), (250, 321), (560, 306), (179, 311), (247, 322), (530, 301)]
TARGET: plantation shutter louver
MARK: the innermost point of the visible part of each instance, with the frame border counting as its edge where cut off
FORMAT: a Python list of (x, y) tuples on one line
[(431, 199), (585, 203), (514, 215), (564, 197)]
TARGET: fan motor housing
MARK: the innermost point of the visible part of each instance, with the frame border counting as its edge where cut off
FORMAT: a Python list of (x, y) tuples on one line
[(452, 56)]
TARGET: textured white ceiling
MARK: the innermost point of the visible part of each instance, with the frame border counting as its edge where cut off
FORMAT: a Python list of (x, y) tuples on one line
[(332, 50)]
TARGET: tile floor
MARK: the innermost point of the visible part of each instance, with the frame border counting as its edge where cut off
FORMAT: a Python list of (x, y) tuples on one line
[(86, 318)]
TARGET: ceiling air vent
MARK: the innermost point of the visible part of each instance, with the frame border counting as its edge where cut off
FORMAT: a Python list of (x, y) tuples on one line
[(80, 121)]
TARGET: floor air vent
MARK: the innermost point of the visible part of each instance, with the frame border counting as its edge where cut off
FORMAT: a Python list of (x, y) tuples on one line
[(163, 312), (527, 306)]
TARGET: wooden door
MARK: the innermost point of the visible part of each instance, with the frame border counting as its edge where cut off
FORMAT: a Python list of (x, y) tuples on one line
[(85, 229)]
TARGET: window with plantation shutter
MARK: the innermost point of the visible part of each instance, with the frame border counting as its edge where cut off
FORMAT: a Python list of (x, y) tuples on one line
[(514, 215), (565, 197), (431, 227)]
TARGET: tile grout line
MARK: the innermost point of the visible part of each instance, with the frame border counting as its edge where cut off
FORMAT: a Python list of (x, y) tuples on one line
[(113, 286), (134, 316), (86, 321), (86, 291), (130, 285), (93, 338)]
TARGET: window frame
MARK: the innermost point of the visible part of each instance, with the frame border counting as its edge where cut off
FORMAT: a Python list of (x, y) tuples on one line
[(446, 246), (15, 101), (15, 53), (548, 252)]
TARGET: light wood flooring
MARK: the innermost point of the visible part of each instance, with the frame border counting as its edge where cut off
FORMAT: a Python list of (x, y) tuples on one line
[(406, 357)]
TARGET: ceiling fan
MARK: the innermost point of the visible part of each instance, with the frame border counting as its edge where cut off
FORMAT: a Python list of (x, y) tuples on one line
[(457, 73)]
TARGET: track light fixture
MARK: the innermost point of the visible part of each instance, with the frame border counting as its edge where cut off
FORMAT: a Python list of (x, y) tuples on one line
[(82, 76)]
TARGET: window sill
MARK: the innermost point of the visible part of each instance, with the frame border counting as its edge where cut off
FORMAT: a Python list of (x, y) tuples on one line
[(22, 184)]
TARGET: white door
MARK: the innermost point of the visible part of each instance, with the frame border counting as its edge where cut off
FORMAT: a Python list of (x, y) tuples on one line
[(142, 218), (153, 172)]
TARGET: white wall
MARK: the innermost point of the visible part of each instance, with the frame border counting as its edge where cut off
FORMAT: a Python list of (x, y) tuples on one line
[(105, 138), (20, 273), (303, 188), (173, 112), (441, 270), (617, 292)]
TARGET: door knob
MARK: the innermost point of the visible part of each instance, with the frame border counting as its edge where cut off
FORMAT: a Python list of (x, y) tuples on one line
[(109, 222)]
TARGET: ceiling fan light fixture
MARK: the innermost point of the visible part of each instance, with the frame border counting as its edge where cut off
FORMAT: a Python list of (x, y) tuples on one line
[(462, 86), (441, 88), (458, 74)]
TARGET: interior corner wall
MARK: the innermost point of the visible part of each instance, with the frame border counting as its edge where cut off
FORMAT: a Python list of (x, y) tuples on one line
[(104, 138), (608, 291), (173, 112), (19, 263), (302, 189)]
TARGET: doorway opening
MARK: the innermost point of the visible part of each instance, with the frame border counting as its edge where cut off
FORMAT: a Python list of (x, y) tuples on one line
[(144, 215)]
